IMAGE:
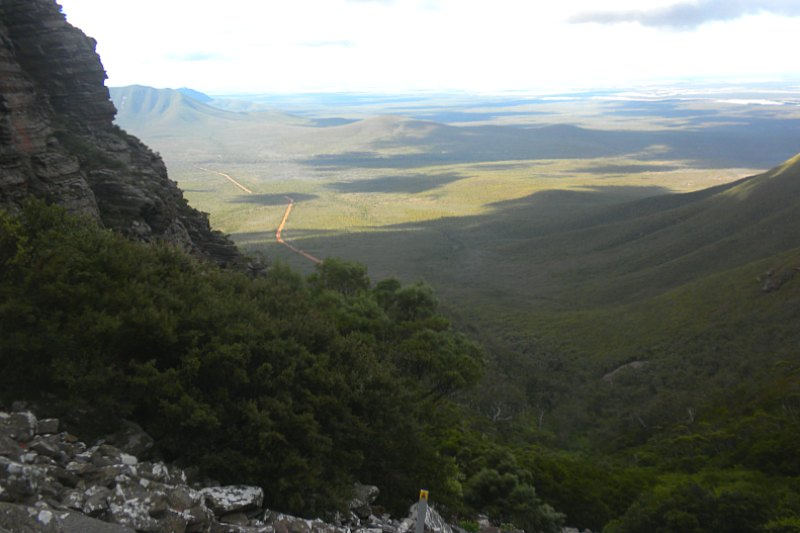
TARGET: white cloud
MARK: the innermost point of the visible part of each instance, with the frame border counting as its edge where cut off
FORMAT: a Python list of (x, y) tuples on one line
[(301, 45), (690, 15)]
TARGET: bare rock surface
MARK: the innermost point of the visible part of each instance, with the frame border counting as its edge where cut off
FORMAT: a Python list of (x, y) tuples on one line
[(52, 482), (31, 519), (231, 499), (58, 142)]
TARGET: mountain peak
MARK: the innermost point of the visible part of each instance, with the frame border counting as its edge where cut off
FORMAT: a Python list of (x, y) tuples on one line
[(196, 95)]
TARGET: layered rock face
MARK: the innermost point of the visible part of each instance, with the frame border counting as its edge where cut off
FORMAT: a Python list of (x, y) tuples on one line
[(57, 140)]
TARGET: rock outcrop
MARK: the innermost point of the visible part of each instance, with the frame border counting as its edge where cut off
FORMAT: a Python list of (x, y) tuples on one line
[(52, 482), (57, 140)]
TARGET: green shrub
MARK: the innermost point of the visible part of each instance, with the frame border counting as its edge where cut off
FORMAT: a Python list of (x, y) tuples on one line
[(300, 387)]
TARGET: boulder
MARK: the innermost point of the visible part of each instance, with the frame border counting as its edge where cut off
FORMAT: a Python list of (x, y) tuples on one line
[(161, 473), (20, 426), (109, 476), (182, 498), (132, 440), (77, 523), (236, 519), (24, 519), (63, 476), (48, 446), (283, 523), (230, 528), (47, 426), (232, 498), (133, 514), (73, 499), (198, 518), (96, 500), (363, 496), (18, 480), (9, 448)]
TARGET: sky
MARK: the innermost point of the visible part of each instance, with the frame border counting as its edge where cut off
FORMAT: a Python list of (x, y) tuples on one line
[(479, 46)]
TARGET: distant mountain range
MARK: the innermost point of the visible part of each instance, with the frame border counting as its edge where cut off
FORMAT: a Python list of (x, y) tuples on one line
[(138, 106), (185, 128), (183, 124)]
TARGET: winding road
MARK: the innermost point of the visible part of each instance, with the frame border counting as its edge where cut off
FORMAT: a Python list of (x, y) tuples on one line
[(279, 238), (278, 233)]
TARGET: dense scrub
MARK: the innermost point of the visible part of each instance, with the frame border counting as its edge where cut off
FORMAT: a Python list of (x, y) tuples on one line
[(710, 413), (299, 385), (305, 384)]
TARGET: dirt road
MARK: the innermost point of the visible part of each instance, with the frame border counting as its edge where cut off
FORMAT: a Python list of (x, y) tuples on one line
[(279, 238), (245, 189), (278, 233)]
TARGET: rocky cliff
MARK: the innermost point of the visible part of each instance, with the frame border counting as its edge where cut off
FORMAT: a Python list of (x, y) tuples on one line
[(57, 140)]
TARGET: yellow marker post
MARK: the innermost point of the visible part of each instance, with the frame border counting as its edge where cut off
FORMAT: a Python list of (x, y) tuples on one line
[(422, 511)]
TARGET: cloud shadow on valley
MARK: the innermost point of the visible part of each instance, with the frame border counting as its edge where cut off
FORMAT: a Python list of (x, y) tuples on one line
[(625, 169), (760, 143), (273, 199), (409, 184)]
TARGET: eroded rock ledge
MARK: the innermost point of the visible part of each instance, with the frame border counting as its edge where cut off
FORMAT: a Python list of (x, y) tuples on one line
[(57, 140)]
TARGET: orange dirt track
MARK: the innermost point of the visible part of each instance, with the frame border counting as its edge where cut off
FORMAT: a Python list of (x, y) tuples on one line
[(278, 233)]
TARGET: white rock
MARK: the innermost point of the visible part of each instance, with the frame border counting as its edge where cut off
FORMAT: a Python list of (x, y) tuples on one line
[(44, 517), (224, 500), (129, 460)]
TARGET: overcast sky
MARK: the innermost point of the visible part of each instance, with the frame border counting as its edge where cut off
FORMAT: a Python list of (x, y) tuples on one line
[(230, 46)]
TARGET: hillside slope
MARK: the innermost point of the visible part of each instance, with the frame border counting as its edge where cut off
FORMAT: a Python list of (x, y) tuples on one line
[(139, 106), (635, 250)]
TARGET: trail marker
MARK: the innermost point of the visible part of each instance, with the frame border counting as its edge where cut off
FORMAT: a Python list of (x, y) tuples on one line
[(422, 511)]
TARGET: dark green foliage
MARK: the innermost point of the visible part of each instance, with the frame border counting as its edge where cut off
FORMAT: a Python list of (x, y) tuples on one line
[(509, 496), (714, 501), (341, 276), (589, 490), (301, 387)]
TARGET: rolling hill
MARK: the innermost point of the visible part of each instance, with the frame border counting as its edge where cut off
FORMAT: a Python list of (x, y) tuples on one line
[(161, 109), (639, 248)]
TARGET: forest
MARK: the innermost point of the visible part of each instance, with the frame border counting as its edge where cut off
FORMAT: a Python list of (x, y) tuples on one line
[(305, 384)]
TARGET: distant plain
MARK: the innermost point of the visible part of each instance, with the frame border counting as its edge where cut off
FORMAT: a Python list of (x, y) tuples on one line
[(570, 234), (421, 186)]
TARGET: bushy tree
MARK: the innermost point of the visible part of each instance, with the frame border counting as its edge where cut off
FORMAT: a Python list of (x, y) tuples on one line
[(301, 386), (505, 492)]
